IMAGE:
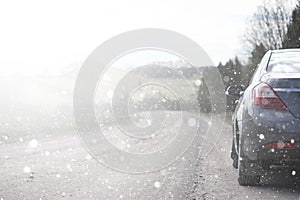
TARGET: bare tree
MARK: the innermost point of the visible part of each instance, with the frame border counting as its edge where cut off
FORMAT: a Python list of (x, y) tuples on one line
[(268, 26)]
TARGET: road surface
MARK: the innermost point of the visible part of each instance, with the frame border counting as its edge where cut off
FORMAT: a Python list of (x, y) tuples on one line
[(53, 164)]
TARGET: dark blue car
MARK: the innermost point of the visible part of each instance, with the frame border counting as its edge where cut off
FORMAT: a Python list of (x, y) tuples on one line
[(266, 121)]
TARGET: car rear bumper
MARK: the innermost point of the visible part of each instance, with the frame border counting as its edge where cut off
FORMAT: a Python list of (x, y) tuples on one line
[(258, 133), (283, 154)]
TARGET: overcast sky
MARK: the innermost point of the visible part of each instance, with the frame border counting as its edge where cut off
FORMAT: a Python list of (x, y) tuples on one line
[(41, 36)]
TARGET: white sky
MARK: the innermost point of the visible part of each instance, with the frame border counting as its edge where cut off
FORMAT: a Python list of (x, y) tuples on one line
[(44, 36)]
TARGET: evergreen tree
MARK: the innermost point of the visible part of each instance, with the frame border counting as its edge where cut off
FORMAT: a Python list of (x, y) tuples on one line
[(204, 99), (256, 55), (231, 74), (292, 38)]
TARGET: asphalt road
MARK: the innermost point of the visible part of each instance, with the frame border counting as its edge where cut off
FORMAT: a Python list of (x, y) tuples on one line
[(55, 165)]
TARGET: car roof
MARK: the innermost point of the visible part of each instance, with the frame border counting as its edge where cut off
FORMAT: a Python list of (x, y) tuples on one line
[(286, 50), (284, 54)]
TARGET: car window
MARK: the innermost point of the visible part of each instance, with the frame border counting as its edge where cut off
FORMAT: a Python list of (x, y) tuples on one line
[(285, 62), (261, 67)]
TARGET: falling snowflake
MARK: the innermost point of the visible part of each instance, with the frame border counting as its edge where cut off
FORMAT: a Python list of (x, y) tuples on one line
[(292, 141), (27, 169), (33, 143), (157, 184), (197, 82), (261, 136), (149, 122), (280, 144), (226, 78), (69, 168)]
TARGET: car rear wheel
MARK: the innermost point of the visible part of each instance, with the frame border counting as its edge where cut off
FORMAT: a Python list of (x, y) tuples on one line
[(234, 156), (247, 176), (234, 153), (245, 179)]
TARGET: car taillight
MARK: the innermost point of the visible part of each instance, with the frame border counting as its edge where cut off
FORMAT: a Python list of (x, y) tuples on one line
[(279, 145), (265, 97)]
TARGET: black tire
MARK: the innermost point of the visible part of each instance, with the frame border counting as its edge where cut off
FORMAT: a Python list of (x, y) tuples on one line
[(245, 180), (246, 177), (234, 156), (234, 153), (248, 171), (235, 163)]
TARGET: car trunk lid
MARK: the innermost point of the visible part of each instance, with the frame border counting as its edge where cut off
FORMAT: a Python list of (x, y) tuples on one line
[(287, 87)]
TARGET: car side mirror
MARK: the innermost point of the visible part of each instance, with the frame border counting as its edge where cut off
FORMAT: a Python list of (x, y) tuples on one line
[(234, 90)]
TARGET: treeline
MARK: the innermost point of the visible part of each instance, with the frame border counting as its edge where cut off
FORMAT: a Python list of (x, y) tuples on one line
[(274, 25), (168, 70)]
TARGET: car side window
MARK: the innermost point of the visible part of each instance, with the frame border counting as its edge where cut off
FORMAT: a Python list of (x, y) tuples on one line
[(261, 67)]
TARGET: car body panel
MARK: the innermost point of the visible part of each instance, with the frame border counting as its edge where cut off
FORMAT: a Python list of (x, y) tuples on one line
[(257, 127)]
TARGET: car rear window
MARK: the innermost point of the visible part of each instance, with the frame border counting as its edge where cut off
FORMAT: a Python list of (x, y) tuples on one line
[(284, 62)]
